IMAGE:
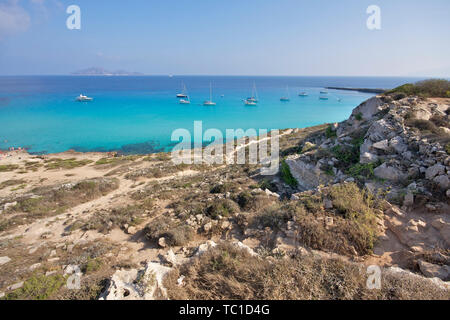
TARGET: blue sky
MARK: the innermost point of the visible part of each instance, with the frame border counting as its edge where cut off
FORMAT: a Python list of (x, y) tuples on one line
[(227, 37)]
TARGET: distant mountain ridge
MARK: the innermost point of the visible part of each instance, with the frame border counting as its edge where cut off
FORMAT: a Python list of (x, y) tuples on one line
[(96, 71)]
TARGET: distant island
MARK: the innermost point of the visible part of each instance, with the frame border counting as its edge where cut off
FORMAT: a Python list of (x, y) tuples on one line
[(96, 71)]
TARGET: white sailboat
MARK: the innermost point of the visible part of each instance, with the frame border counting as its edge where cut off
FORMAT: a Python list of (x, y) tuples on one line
[(286, 98), (183, 93), (253, 100), (186, 99), (254, 97), (209, 102)]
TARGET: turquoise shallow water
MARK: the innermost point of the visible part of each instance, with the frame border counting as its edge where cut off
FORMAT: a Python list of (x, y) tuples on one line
[(138, 114)]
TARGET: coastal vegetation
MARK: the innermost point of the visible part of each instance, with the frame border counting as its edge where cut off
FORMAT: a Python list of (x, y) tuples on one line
[(57, 163), (426, 88)]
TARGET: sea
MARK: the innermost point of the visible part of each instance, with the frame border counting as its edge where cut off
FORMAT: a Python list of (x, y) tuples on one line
[(138, 114)]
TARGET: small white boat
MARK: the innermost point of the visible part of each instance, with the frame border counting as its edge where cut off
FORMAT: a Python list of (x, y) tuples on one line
[(82, 98), (209, 102), (302, 94), (249, 103), (323, 98), (185, 101), (286, 97), (323, 92)]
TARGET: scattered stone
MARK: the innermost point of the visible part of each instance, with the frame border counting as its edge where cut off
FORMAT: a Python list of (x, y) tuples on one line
[(170, 258), (205, 247), (34, 266), (131, 230), (162, 242), (409, 199), (437, 169), (53, 259), (15, 286), (327, 203), (382, 145), (442, 181), (207, 227), (180, 280), (272, 194), (4, 260), (6, 206)]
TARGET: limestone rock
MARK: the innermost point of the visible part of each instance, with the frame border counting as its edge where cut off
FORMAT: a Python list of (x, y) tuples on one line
[(4, 260), (205, 247), (435, 170), (409, 199), (162, 242), (136, 284), (398, 144), (368, 108), (442, 181), (381, 145), (387, 172), (433, 270)]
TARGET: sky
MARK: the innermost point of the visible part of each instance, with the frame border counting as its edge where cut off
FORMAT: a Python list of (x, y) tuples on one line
[(227, 37)]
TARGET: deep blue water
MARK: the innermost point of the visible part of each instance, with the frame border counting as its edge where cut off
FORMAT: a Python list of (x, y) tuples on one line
[(138, 114)]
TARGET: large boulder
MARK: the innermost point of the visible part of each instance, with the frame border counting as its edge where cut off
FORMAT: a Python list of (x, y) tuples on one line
[(434, 271), (388, 173), (398, 144), (434, 171), (136, 284), (368, 108)]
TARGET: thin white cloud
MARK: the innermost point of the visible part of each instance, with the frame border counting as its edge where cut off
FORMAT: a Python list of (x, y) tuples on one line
[(13, 18)]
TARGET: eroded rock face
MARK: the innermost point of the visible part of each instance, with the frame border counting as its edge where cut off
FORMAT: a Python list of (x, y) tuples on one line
[(308, 176), (368, 108)]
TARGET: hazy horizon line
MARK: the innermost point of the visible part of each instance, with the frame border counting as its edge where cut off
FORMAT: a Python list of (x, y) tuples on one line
[(222, 75)]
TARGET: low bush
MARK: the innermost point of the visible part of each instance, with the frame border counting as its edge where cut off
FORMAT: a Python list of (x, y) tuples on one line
[(222, 207), (175, 232)]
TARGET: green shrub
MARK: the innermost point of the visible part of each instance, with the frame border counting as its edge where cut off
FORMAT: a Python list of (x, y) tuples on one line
[(8, 167), (38, 287), (330, 133), (359, 116), (287, 176), (57, 163), (360, 170)]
